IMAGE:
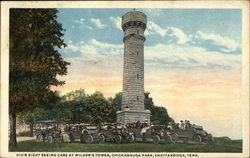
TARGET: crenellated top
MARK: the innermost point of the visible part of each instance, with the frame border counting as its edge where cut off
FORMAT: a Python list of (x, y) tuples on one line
[(134, 19), (134, 24)]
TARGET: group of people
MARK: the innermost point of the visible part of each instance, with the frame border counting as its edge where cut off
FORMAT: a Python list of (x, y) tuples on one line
[(138, 124), (182, 125)]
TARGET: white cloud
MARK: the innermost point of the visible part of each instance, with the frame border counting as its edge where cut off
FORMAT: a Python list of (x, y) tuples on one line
[(160, 55), (211, 41), (94, 50), (116, 21), (80, 21), (97, 23), (177, 33), (106, 45), (186, 56), (153, 13), (174, 34), (153, 28), (215, 41)]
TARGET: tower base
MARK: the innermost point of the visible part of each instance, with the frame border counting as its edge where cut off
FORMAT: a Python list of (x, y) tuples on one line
[(131, 116)]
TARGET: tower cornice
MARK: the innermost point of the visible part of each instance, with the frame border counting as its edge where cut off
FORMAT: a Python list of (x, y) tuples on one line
[(133, 24)]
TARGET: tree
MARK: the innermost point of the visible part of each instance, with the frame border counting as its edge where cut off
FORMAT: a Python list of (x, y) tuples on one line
[(78, 107), (35, 61), (159, 115), (116, 104), (99, 108)]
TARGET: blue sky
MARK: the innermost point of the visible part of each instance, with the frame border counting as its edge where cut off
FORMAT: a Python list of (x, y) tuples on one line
[(192, 60), (226, 22), (214, 30)]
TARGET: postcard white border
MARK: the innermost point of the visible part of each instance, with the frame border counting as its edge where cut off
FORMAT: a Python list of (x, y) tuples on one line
[(244, 5)]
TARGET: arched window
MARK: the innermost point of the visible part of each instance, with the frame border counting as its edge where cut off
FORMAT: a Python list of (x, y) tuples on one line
[(137, 76), (137, 53), (138, 32), (137, 98)]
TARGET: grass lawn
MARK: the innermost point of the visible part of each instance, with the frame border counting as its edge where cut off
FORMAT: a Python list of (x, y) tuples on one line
[(218, 146)]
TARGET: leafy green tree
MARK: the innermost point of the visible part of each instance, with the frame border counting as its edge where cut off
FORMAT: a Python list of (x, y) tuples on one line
[(78, 107), (116, 104), (159, 115), (35, 61), (99, 108)]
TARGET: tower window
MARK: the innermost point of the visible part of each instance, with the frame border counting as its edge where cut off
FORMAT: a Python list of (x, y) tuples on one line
[(137, 76), (137, 98), (137, 53), (137, 32)]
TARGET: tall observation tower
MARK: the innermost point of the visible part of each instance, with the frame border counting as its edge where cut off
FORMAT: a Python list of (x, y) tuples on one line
[(133, 24)]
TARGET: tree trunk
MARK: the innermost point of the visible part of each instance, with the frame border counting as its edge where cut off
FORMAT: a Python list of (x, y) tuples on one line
[(12, 134), (31, 128)]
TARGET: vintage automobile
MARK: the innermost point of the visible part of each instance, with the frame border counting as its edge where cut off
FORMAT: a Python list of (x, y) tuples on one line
[(74, 131), (48, 131), (157, 133), (117, 134), (85, 133), (91, 134), (195, 133)]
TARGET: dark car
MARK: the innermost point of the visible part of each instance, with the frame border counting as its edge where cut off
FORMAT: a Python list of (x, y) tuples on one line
[(74, 132), (117, 134), (48, 131), (156, 133), (85, 133), (195, 134)]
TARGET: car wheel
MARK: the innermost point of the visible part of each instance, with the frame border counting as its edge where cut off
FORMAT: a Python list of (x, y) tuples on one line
[(131, 138), (50, 139), (118, 139), (101, 138), (88, 139), (39, 138), (197, 139), (168, 139), (174, 137), (156, 139)]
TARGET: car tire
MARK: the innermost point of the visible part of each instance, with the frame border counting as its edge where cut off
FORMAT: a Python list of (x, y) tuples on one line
[(174, 137), (156, 139), (50, 139), (131, 138), (101, 138), (168, 139), (39, 138), (118, 139), (197, 139), (88, 139)]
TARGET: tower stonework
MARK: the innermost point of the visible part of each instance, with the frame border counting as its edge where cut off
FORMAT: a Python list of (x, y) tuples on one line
[(132, 110)]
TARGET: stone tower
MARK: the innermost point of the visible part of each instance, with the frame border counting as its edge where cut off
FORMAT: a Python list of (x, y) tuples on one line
[(133, 24)]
